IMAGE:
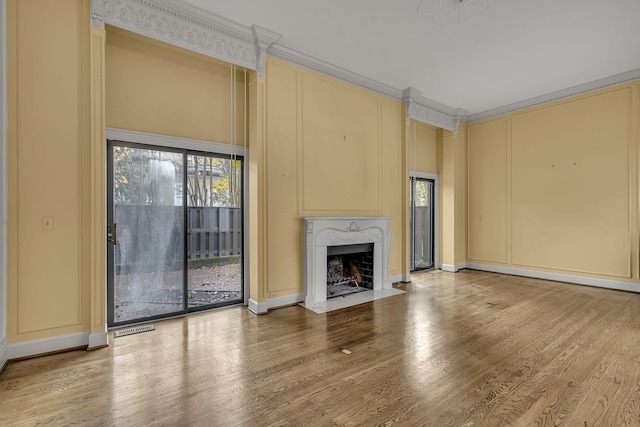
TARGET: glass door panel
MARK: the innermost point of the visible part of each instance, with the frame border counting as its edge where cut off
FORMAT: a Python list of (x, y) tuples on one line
[(146, 219), (214, 231), (422, 213)]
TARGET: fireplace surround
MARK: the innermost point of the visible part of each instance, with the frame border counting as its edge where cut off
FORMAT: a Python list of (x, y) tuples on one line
[(321, 232)]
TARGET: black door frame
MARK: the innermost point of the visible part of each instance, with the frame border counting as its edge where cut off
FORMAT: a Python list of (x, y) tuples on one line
[(434, 203), (185, 285)]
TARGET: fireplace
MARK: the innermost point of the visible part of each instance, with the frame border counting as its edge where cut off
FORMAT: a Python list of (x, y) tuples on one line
[(349, 269), (328, 238)]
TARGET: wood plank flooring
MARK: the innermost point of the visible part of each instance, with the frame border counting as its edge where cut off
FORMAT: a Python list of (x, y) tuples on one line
[(458, 349)]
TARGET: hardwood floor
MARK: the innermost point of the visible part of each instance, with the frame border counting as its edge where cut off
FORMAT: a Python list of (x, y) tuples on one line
[(459, 349)]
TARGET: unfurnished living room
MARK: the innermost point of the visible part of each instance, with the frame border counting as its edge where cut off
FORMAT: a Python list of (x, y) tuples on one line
[(260, 213)]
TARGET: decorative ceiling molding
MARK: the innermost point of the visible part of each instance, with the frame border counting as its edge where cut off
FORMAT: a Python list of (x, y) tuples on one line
[(194, 30), (558, 95), (318, 65), (449, 11), (199, 31), (433, 113), (263, 40)]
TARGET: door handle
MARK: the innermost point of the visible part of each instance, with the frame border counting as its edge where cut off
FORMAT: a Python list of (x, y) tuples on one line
[(112, 232)]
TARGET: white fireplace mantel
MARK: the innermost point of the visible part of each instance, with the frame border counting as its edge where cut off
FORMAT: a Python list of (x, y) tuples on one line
[(321, 231)]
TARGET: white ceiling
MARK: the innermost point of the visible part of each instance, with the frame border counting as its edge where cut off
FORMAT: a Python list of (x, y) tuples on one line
[(513, 51)]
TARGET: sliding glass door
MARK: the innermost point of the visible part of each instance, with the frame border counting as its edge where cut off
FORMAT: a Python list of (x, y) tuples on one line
[(175, 232), (422, 224), (214, 231)]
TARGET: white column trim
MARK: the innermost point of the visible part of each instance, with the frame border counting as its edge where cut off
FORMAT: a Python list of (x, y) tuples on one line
[(258, 307), (99, 339)]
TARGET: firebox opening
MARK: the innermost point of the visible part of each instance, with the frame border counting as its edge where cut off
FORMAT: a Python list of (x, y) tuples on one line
[(349, 269)]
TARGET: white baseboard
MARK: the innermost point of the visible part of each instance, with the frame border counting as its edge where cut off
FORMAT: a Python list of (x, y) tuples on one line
[(100, 339), (4, 353), (400, 278), (558, 277), (284, 301), (47, 345), (257, 307), (454, 268)]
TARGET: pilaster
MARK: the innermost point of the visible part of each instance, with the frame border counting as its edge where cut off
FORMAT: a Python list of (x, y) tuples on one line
[(454, 199), (257, 195), (405, 238), (97, 43)]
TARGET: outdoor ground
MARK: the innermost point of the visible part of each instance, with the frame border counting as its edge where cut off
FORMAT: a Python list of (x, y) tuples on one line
[(142, 295)]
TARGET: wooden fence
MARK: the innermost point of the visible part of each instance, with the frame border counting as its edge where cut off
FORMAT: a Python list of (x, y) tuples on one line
[(212, 232)]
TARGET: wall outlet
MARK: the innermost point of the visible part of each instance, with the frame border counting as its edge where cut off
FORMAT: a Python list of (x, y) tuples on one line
[(47, 223)]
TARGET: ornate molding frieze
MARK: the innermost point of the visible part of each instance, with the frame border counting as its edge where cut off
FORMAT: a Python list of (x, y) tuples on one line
[(97, 14), (263, 40), (616, 79), (427, 111), (213, 36), (322, 67)]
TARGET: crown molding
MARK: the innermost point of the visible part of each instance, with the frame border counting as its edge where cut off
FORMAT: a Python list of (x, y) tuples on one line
[(322, 67), (263, 40), (182, 26), (431, 112), (558, 95), (199, 31)]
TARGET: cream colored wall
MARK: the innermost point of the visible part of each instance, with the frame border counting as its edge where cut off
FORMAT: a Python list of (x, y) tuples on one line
[(554, 188), (488, 191), (424, 157), (158, 88), (3, 192), (332, 149), (47, 78)]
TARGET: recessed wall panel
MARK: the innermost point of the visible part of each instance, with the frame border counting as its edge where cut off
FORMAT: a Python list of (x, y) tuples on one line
[(157, 88), (423, 152), (340, 148), (570, 186), (392, 178), (283, 224), (48, 166), (488, 192)]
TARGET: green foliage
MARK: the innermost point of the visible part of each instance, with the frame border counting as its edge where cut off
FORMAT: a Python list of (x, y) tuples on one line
[(145, 177)]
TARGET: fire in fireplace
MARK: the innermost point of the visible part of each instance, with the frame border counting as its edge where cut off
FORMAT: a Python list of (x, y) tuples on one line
[(349, 269)]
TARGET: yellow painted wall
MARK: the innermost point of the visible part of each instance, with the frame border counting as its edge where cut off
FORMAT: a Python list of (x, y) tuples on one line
[(424, 156), (158, 88), (332, 149), (555, 187), (453, 197), (460, 215), (48, 174), (488, 191)]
